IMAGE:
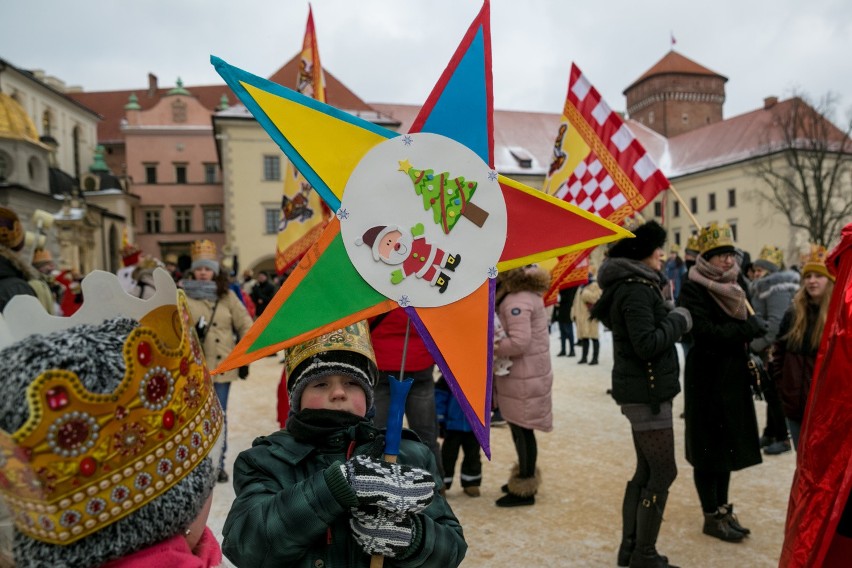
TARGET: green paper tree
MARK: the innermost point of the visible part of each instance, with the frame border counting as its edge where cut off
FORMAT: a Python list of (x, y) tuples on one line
[(448, 198)]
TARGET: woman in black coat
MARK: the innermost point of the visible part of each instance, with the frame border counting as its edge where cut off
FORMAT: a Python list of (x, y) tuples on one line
[(721, 426), (644, 380)]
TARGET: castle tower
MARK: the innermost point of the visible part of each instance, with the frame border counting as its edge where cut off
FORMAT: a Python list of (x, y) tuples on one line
[(676, 95)]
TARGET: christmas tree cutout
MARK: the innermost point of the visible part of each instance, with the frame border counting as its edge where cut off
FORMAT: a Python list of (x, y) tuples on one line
[(448, 198)]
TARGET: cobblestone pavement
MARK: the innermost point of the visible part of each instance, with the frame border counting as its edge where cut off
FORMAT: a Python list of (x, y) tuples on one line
[(585, 463)]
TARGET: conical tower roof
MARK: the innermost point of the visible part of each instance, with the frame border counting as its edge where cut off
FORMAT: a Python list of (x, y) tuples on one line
[(673, 63)]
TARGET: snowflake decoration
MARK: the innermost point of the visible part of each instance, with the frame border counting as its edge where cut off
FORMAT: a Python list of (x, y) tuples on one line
[(492, 272), (404, 301), (492, 175), (407, 140), (342, 214)]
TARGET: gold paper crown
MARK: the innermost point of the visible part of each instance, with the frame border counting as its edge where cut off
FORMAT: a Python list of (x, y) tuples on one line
[(772, 254), (355, 338), (815, 260), (714, 236), (692, 242), (634, 222), (203, 250), (82, 460), (11, 230)]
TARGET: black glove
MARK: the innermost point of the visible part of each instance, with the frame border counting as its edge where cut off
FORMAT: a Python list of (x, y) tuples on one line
[(758, 326), (397, 488), (379, 531), (243, 372), (685, 315)]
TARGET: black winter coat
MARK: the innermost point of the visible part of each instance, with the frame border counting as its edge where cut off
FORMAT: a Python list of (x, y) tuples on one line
[(721, 426), (644, 332)]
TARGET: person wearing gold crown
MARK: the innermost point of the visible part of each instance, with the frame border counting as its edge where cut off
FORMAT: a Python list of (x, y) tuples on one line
[(108, 423), (721, 425), (220, 318), (795, 349), (14, 272), (772, 291), (318, 492)]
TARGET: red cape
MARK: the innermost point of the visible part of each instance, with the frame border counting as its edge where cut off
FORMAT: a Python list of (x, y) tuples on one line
[(824, 468)]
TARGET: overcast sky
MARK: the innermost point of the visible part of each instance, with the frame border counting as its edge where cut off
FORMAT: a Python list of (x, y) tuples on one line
[(393, 51)]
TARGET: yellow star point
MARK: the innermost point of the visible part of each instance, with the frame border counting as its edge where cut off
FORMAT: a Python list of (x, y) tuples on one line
[(404, 166)]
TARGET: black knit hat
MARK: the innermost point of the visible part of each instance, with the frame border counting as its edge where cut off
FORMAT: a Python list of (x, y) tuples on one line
[(649, 237)]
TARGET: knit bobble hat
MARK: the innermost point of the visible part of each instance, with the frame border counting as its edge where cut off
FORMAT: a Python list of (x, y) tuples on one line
[(94, 354), (649, 237), (346, 351), (329, 363)]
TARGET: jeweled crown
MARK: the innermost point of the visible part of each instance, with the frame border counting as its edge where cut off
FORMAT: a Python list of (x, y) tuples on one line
[(203, 250), (82, 460), (715, 235), (772, 254), (815, 261), (692, 243), (355, 338)]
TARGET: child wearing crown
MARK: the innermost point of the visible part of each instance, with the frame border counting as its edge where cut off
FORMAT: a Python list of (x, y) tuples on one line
[(108, 425), (318, 492)]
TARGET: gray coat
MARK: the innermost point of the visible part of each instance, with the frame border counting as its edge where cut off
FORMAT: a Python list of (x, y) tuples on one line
[(770, 298)]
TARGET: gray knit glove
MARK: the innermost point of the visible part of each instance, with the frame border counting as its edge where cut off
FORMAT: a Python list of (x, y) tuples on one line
[(687, 317), (379, 531), (397, 488)]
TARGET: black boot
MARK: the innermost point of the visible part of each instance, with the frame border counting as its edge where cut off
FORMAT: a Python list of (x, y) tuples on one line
[(442, 282), (628, 522), (596, 347), (584, 344), (649, 517), (452, 262), (716, 524), (733, 520), (571, 352)]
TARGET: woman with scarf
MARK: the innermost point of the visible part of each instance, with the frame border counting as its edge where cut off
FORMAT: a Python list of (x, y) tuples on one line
[(644, 380), (220, 319), (721, 425)]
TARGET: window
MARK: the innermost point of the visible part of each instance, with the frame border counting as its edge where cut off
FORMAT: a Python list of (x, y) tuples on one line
[(651, 117), (733, 225), (732, 198), (676, 209), (711, 202), (151, 173), (271, 168), (213, 220), (152, 221), (209, 173), (676, 235), (179, 111), (180, 173), (658, 209), (693, 205), (272, 216), (183, 219)]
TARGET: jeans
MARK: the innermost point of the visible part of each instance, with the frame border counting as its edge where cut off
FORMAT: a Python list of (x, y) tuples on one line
[(566, 332), (795, 431), (222, 390), (419, 408), (471, 466)]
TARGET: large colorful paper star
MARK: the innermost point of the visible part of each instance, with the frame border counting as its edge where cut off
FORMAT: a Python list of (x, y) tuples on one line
[(382, 183)]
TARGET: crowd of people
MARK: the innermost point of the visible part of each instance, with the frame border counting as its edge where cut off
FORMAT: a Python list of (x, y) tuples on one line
[(319, 492)]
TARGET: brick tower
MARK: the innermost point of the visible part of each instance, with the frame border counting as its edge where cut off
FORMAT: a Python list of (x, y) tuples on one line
[(676, 95)]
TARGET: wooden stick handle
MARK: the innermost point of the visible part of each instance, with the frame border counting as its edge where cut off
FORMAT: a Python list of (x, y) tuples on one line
[(685, 208)]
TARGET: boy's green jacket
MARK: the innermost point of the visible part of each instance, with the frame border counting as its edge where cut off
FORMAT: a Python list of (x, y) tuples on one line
[(293, 508)]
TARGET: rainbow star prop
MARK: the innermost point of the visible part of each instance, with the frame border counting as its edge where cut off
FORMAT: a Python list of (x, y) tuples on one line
[(433, 189)]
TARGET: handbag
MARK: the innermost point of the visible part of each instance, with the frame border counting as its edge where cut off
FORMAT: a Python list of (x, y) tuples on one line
[(758, 375)]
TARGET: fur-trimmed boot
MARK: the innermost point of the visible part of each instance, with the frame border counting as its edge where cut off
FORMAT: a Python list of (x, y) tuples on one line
[(649, 517), (521, 490), (584, 345), (596, 347), (629, 506)]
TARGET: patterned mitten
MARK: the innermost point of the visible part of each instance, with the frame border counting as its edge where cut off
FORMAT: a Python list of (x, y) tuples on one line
[(397, 488), (379, 531)]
